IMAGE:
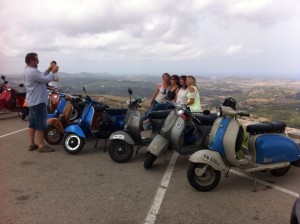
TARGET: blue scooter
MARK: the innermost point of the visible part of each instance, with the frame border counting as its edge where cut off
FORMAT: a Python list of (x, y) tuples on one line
[(96, 122), (263, 146)]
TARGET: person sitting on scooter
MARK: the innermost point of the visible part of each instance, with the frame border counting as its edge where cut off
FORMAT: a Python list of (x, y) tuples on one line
[(158, 95), (193, 102), (170, 98)]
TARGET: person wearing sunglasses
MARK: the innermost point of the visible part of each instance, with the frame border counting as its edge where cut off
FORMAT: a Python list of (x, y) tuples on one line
[(157, 96), (170, 97), (36, 98)]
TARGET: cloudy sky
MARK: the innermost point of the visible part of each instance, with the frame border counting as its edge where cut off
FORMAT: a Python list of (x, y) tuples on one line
[(200, 37)]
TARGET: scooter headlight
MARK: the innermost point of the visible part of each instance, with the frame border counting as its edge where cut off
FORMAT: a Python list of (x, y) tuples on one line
[(219, 111)]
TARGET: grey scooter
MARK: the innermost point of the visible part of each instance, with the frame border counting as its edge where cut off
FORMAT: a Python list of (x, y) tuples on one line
[(173, 133), (122, 142)]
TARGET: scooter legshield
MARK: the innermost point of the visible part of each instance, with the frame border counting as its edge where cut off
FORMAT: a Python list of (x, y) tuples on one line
[(76, 129), (158, 145)]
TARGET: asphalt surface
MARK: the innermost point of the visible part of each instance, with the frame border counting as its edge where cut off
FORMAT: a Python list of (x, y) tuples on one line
[(91, 188)]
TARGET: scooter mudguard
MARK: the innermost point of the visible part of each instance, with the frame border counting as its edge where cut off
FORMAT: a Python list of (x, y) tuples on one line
[(123, 136), (209, 157), (75, 128), (56, 123), (158, 145), (273, 148)]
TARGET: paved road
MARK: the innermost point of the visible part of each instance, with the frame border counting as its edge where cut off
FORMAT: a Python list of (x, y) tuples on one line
[(91, 188)]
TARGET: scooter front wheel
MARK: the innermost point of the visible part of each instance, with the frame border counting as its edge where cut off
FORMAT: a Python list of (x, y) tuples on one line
[(280, 172), (120, 151), (53, 136), (203, 177), (73, 143), (150, 158)]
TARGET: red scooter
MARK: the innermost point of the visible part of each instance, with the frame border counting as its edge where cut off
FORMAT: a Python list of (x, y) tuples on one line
[(11, 99)]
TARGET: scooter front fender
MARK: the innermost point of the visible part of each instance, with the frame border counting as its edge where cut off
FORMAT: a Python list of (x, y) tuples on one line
[(123, 136), (209, 157), (75, 128), (158, 145), (56, 123)]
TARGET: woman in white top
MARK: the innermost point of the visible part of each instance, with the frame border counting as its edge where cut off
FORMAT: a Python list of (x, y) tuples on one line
[(158, 95), (193, 95)]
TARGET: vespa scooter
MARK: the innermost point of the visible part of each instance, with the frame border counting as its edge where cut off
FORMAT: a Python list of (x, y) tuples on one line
[(122, 142), (263, 147), (97, 121), (58, 121), (10, 98), (183, 131)]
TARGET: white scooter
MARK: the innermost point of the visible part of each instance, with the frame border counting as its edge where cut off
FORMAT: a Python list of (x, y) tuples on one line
[(263, 146), (183, 131)]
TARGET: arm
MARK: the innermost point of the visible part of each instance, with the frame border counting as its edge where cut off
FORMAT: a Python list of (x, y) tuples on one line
[(153, 96), (191, 98)]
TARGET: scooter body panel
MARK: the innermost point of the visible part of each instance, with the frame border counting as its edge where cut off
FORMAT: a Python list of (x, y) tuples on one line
[(123, 136), (209, 157), (273, 148), (76, 129), (158, 145), (219, 130)]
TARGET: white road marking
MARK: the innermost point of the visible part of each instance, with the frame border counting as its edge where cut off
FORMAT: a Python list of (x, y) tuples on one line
[(265, 183), (161, 191), (2, 136)]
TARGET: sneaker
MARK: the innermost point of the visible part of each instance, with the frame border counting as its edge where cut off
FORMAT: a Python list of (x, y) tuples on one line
[(33, 147), (46, 149)]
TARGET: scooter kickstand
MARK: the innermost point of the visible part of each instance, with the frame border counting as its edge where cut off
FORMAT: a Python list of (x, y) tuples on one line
[(255, 177), (226, 175), (96, 143)]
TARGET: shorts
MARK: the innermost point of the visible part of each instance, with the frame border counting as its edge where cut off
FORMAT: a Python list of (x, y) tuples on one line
[(38, 117)]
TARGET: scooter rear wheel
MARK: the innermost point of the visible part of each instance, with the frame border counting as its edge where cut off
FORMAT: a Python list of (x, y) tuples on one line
[(75, 113), (280, 172), (53, 136), (120, 151), (207, 180), (73, 143), (150, 158)]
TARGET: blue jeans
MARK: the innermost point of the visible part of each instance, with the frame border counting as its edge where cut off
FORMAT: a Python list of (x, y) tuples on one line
[(164, 106), (150, 109), (38, 117)]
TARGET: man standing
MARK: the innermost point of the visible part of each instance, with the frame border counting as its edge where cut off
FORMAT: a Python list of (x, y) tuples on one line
[(37, 97), (54, 83)]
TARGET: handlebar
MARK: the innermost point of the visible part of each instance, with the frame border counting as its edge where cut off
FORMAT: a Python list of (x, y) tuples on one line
[(243, 114)]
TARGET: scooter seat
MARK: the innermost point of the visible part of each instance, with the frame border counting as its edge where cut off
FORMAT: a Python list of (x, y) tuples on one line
[(21, 93), (266, 127), (100, 108), (116, 111), (206, 119), (162, 114)]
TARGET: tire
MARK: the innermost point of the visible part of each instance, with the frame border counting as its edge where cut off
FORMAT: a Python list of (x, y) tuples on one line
[(53, 136), (75, 113), (120, 151), (73, 144), (280, 172), (296, 163), (150, 158), (206, 182)]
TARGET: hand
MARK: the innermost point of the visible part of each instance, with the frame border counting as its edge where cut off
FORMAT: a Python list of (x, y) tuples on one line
[(54, 69)]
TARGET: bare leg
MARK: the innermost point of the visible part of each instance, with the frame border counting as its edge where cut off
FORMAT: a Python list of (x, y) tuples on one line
[(40, 136), (31, 133)]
